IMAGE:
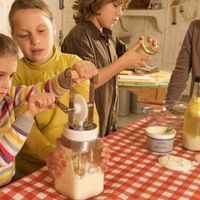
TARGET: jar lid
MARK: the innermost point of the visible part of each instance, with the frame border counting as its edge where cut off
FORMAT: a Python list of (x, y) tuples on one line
[(160, 132), (81, 135), (148, 47)]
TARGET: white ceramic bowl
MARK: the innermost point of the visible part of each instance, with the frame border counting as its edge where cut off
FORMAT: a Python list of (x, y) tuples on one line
[(160, 139)]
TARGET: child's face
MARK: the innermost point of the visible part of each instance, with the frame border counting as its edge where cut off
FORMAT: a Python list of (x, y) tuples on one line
[(8, 66), (109, 15), (34, 33)]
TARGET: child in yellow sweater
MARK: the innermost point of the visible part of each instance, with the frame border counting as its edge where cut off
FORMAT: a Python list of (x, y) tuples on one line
[(32, 27)]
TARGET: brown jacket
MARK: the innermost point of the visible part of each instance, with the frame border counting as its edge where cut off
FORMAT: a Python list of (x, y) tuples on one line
[(187, 61), (101, 48)]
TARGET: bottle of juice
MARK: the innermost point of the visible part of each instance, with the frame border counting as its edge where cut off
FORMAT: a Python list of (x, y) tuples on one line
[(191, 128)]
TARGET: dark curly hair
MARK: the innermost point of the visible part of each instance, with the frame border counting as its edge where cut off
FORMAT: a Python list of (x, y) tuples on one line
[(84, 9)]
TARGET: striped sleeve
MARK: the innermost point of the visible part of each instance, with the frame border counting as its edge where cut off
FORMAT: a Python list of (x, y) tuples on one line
[(21, 94), (13, 137)]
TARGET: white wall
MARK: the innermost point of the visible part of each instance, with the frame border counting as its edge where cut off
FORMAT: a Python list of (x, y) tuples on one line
[(4, 9), (170, 39), (63, 18), (57, 13)]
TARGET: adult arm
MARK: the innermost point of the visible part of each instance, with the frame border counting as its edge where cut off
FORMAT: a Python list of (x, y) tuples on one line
[(182, 70)]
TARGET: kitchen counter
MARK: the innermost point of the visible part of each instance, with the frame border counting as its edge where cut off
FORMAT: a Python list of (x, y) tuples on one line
[(147, 86)]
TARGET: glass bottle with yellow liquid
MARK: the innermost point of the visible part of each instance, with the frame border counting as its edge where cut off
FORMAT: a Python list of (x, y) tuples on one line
[(191, 128)]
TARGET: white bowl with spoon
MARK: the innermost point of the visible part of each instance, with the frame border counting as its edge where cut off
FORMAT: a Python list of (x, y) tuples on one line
[(160, 139)]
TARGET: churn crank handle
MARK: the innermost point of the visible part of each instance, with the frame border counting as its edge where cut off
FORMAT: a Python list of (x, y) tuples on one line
[(93, 81)]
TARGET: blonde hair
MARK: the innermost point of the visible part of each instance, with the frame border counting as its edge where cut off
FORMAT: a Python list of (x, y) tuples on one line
[(84, 9), (29, 4), (8, 46)]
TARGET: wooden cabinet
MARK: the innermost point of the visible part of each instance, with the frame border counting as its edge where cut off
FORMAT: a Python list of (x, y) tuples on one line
[(157, 15), (149, 93)]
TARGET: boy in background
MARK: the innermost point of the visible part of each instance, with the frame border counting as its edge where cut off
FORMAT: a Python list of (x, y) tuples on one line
[(92, 39)]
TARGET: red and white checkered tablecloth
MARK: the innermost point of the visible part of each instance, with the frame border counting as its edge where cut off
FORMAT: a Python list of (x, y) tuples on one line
[(134, 173)]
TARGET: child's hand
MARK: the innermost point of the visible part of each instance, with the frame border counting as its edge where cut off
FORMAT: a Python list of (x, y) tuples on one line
[(56, 161), (153, 41), (39, 103), (85, 70), (132, 59)]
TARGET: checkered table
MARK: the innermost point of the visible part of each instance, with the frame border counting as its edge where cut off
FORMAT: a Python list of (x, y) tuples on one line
[(134, 173)]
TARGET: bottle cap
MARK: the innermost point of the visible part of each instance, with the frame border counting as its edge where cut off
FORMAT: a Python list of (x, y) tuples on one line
[(148, 47)]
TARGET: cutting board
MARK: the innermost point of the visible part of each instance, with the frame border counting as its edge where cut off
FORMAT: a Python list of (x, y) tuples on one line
[(161, 76)]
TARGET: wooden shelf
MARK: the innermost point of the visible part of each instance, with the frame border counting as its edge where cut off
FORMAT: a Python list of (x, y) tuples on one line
[(156, 14)]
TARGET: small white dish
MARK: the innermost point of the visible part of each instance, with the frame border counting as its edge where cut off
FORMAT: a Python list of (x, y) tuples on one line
[(160, 139), (176, 163)]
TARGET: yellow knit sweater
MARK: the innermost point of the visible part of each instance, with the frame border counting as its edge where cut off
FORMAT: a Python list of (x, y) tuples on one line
[(50, 124)]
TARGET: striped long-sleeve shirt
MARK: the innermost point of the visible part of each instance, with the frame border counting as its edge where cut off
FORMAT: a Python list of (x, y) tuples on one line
[(13, 132)]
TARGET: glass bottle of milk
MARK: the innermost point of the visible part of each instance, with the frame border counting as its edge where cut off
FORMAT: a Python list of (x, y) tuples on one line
[(83, 177), (191, 128)]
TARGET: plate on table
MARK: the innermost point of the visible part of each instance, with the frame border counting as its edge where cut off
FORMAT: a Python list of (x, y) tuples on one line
[(176, 163)]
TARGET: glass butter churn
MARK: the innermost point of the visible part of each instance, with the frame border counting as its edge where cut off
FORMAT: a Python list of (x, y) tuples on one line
[(83, 177), (191, 128)]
